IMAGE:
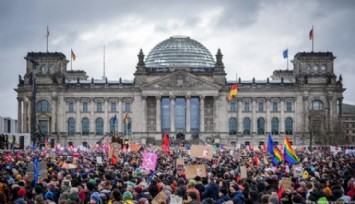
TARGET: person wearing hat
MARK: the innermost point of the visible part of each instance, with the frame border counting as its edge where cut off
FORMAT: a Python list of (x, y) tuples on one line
[(95, 198), (191, 188), (127, 198), (236, 194), (21, 193)]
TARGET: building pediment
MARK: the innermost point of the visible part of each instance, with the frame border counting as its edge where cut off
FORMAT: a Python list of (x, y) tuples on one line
[(180, 80)]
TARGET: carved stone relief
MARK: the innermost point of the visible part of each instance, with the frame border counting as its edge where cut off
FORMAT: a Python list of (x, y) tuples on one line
[(209, 114)]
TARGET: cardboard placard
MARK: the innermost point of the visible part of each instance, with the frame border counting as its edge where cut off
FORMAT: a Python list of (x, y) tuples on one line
[(199, 151), (174, 199), (243, 172), (43, 170), (195, 170), (286, 184), (99, 160), (180, 163), (297, 170)]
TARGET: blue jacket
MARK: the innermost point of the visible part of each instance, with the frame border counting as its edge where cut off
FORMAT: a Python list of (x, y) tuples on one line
[(223, 199), (237, 197), (211, 192)]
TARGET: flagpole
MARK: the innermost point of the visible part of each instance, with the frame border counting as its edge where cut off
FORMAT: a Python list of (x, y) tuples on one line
[(312, 38), (47, 35), (287, 59), (71, 59), (236, 114)]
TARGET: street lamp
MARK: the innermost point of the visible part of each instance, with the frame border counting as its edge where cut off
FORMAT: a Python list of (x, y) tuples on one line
[(33, 102)]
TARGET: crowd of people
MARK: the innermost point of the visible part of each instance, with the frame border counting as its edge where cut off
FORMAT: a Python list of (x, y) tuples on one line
[(321, 176)]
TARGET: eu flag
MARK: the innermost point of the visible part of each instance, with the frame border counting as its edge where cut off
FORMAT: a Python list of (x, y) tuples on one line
[(285, 53), (270, 145)]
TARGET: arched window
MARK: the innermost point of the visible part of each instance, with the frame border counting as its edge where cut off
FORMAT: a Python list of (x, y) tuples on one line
[(99, 123), (308, 68), (323, 68), (99, 106), (52, 68), (127, 127), (289, 126), (246, 126), (71, 107), (232, 126), (275, 126), (43, 106), (113, 125), (315, 68), (317, 105), (85, 124), (44, 69), (261, 126), (71, 126), (127, 107)]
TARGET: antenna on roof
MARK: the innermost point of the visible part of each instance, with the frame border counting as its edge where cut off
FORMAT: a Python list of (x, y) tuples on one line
[(104, 76)]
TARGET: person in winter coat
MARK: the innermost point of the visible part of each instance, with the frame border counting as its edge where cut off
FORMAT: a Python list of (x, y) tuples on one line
[(211, 190), (351, 192), (74, 195), (127, 198), (192, 184), (223, 196), (317, 193), (236, 194), (181, 188), (95, 198), (21, 196), (153, 188)]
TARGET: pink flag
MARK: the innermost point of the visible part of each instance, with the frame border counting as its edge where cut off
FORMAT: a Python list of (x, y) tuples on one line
[(149, 161)]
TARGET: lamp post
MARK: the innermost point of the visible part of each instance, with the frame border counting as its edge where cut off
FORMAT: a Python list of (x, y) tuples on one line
[(33, 102)]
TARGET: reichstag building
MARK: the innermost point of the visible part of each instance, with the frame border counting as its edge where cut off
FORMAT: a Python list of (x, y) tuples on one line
[(181, 89)]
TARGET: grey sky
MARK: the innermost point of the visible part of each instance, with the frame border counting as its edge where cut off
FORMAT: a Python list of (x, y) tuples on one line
[(251, 34)]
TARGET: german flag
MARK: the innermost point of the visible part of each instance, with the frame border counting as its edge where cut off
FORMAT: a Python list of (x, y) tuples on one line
[(233, 92)]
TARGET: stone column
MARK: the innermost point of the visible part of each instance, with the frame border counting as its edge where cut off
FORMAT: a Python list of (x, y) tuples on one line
[(282, 120), (329, 110), (54, 113), (305, 113), (158, 113), (25, 115), (340, 107), (120, 116), (188, 114), (268, 116), (172, 114), (254, 123), (19, 114), (144, 114), (202, 114), (240, 119), (106, 116), (92, 116), (77, 117), (215, 114)]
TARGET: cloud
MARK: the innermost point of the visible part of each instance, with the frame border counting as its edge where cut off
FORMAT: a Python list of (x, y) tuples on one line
[(251, 34)]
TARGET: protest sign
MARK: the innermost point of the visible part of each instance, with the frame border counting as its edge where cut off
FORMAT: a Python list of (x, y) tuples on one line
[(243, 172), (99, 160), (115, 150), (195, 170), (149, 161), (286, 183), (200, 151)]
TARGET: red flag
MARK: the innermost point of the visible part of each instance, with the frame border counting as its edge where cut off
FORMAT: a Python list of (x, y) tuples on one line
[(114, 160), (165, 145), (256, 160)]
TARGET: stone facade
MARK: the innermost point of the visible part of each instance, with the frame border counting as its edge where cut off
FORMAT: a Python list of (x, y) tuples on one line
[(279, 107)]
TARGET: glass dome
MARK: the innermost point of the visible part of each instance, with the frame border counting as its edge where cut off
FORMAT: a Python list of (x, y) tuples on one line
[(179, 51)]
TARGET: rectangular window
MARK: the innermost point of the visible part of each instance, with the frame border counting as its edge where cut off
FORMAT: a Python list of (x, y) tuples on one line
[(43, 125), (246, 106), (289, 106), (85, 107), (261, 107), (113, 107), (99, 107), (233, 106), (165, 114), (127, 107), (274, 106), (71, 107)]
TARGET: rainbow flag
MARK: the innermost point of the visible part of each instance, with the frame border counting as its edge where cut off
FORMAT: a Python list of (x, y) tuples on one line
[(126, 119), (278, 157), (289, 154)]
